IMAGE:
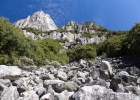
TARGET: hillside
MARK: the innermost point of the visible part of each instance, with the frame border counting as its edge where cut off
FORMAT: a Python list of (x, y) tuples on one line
[(40, 61)]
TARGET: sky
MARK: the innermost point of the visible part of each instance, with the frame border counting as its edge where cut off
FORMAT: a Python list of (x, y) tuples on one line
[(111, 14)]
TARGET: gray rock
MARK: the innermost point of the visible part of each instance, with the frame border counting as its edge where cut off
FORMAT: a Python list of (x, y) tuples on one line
[(76, 81), (38, 80), (47, 97), (114, 83), (64, 95), (105, 65), (10, 93), (10, 72), (97, 92), (38, 20), (59, 86), (95, 38), (94, 92), (50, 90), (21, 84), (133, 89), (6, 82), (123, 96), (70, 86), (52, 82), (40, 91), (120, 88), (94, 74), (29, 95), (104, 75), (2, 87), (62, 75), (126, 77), (38, 73), (82, 63), (48, 76), (82, 74), (138, 80)]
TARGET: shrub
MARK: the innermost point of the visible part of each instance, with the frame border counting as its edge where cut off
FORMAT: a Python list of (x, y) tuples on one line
[(25, 63), (55, 64), (48, 67), (89, 35), (33, 30), (86, 52)]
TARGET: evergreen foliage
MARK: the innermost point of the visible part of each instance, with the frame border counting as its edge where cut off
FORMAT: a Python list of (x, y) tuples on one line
[(14, 45), (33, 30), (86, 52), (88, 35), (23, 51)]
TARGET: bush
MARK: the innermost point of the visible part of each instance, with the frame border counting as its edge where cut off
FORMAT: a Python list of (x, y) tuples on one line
[(112, 47), (133, 39), (62, 40), (25, 63), (55, 64), (86, 52), (48, 67), (89, 35), (33, 30)]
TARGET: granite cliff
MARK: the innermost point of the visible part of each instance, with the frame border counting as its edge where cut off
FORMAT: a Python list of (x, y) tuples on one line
[(38, 20)]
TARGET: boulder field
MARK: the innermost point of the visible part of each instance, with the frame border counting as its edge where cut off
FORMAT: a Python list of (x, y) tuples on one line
[(101, 79)]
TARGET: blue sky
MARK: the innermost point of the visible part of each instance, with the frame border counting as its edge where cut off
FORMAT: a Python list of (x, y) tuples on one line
[(111, 14)]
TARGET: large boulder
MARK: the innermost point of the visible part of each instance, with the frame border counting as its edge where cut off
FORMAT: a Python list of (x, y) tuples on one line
[(59, 86), (97, 92), (94, 92), (106, 66), (10, 72), (123, 96), (10, 93), (126, 77)]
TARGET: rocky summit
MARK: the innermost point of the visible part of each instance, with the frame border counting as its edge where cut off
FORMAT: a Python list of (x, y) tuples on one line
[(38, 20), (102, 79)]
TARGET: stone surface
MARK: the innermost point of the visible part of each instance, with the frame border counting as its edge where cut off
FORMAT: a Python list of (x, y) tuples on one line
[(47, 97), (62, 75), (86, 80), (105, 65), (38, 20), (29, 95), (94, 92), (10, 93), (10, 72)]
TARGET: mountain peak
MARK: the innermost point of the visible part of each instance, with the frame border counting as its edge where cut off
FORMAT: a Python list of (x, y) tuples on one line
[(38, 20)]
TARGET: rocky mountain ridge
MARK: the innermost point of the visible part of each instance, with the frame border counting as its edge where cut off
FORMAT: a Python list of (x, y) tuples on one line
[(38, 20), (76, 33)]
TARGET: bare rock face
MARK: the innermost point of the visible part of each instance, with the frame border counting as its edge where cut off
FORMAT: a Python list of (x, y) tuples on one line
[(38, 20)]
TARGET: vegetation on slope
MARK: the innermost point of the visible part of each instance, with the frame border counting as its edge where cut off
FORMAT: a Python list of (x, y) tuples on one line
[(14, 46)]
